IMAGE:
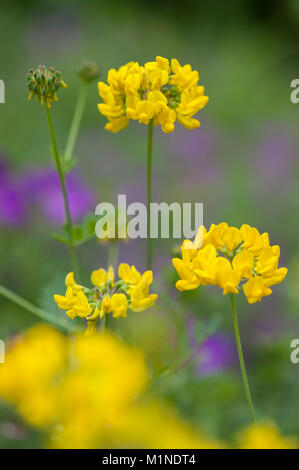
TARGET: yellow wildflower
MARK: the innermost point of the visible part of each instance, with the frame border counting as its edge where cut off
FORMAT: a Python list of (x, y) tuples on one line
[(106, 306), (255, 289), (128, 273), (119, 305), (130, 291), (243, 263), (156, 91), (231, 258), (82, 392), (227, 278), (100, 277)]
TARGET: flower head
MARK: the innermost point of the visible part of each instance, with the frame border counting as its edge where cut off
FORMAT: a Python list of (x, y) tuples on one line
[(130, 291), (232, 259), (160, 91), (44, 83)]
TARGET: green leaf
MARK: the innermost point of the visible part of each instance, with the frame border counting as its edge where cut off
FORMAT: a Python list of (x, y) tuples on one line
[(77, 233), (60, 238), (89, 224)]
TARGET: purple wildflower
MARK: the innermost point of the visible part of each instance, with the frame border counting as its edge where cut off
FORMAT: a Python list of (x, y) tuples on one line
[(43, 189)]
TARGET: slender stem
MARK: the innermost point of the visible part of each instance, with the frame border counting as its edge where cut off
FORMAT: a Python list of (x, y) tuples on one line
[(68, 218), (112, 254), (149, 193), (106, 322), (241, 359), (79, 109), (35, 310)]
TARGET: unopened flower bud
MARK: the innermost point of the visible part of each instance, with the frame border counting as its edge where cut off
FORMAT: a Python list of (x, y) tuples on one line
[(88, 71), (43, 83)]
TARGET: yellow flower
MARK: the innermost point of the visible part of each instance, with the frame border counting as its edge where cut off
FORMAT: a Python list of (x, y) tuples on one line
[(155, 91), (192, 101), (243, 263), (106, 306), (100, 277), (81, 308), (205, 265), (255, 289), (183, 77), (228, 257), (265, 436), (188, 280), (83, 392), (140, 297), (268, 260), (128, 273), (227, 278), (119, 305), (66, 302), (231, 238), (130, 291), (252, 238), (157, 72), (215, 234), (75, 302), (70, 282)]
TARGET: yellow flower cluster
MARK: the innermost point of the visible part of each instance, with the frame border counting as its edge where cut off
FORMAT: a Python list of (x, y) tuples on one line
[(160, 91), (131, 291), (82, 392), (232, 259)]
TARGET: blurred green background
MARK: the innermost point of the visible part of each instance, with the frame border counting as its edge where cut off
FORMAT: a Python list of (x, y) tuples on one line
[(242, 164)]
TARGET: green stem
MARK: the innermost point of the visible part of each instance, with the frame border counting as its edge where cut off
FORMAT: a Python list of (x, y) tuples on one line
[(241, 359), (68, 218), (149, 193), (106, 322), (35, 310), (112, 254), (79, 109)]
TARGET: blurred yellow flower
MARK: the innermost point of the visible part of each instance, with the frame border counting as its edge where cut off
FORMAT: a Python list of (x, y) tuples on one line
[(232, 259), (265, 436), (159, 90), (83, 393)]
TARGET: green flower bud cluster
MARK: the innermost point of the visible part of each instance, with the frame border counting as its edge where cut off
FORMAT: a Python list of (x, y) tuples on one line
[(173, 96), (44, 83)]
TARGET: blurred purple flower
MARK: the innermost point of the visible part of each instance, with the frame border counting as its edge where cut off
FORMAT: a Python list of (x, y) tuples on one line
[(42, 187), (197, 153), (215, 354), (12, 204), (275, 157)]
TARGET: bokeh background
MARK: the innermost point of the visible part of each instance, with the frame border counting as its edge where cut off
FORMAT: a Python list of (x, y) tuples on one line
[(242, 164)]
